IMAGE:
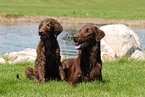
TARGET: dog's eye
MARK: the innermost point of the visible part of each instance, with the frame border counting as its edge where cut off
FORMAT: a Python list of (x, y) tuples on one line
[(88, 31), (48, 25), (40, 26)]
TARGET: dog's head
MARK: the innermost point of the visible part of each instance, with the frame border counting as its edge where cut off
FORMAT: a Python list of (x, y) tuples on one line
[(49, 28), (87, 35)]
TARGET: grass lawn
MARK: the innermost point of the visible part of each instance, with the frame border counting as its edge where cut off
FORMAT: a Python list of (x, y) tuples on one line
[(107, 9), (121, 78)]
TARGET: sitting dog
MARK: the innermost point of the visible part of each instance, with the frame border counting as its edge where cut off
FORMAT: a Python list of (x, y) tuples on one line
[(88, 65), (47, 63)]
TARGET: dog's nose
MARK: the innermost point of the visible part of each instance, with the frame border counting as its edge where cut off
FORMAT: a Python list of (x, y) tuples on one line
[(75, 37), (40, 33), (41, 30)]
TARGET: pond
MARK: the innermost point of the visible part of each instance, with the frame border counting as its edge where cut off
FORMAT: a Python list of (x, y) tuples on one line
[(19, 36)]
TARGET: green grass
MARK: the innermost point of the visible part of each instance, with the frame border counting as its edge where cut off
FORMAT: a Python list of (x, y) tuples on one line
[(121, 78), (107, 9)]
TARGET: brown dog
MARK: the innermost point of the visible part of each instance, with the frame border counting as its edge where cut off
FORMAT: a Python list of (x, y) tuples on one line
[(88, 65), (47, 63)]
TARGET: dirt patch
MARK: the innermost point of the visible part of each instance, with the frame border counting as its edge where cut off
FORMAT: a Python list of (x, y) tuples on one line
[(71, 20)]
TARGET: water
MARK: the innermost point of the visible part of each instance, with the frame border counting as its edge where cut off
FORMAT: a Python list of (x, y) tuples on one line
[(19, 36)]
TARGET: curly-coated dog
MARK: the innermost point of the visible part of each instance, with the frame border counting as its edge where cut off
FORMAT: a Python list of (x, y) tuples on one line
[(47, 62), (88, 65)]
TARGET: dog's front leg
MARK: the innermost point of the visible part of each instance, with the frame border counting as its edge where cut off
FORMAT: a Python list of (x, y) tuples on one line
[(62, 74), (95, 73), (74, 78), (41, 71)]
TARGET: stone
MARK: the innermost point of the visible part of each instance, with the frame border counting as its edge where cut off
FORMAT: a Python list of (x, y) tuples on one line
[(119, 41), (10, 57), (138, 55), (107, 53), (2, 61), (22, 56), (27, 55)]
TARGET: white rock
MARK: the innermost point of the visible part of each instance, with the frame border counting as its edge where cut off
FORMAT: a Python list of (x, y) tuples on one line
[(28, 51), (138, 55), (27, 55), (120, 39), (25, 59), (2, 61), (22, 56), (11, 56), (107, 53)]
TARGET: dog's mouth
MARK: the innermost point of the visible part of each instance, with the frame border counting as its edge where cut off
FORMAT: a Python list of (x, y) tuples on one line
[(80, 45), (42, 37), (77, 45)]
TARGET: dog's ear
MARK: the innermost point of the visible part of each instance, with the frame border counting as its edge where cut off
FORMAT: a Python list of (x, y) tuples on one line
[(40, 25), (99, 34), (57, 28)]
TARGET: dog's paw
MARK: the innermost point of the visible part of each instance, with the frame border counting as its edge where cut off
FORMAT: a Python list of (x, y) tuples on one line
[(42, 81)]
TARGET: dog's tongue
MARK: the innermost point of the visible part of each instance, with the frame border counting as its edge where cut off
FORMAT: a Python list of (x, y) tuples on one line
[(77, 46)]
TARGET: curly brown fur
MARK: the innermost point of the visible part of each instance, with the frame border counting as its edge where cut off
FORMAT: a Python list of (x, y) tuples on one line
[(47, 63), (88, 65)]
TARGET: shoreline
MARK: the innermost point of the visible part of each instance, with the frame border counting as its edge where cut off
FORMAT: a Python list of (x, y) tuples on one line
[(72, 20)]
